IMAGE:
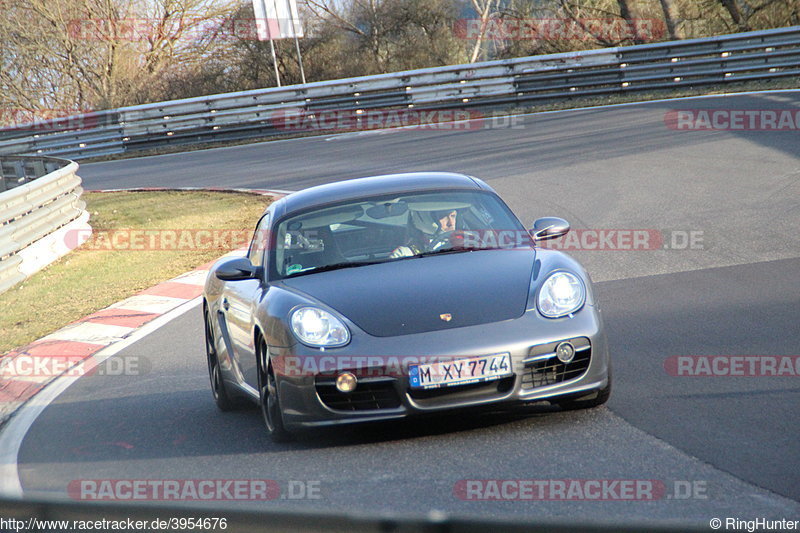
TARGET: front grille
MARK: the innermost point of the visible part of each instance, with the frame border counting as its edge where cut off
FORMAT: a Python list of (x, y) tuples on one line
[(544, 370), (370, 394)]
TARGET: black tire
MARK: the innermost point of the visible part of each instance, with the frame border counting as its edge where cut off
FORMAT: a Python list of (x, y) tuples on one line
[(602, 397), (218, 391), (269, 401)]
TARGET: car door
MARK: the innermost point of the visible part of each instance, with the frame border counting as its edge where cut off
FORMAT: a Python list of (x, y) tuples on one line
[(240, 300)]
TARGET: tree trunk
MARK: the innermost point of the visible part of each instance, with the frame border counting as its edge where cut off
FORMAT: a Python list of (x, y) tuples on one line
[(484, 12), (736, 14), (668, 7), (625, 13)]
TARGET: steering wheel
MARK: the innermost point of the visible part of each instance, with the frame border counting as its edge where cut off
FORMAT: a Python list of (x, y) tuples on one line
[(449, 239)]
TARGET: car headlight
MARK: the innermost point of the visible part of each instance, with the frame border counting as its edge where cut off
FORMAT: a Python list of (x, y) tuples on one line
[(316, 327), (561, 294)]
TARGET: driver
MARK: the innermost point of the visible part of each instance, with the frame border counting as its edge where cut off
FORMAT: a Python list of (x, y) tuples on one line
[(445, 223)]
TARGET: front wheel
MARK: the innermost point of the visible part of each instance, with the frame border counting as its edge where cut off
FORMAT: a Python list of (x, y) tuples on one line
[(218, 391), (268, 396)]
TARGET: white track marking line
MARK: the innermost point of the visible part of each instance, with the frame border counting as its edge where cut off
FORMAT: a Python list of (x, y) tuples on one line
[(194, 277), (16, 428), (89, 332), (148, 303)]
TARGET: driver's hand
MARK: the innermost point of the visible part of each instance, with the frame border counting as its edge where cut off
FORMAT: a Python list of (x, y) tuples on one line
[(401, 251), (440, 241)]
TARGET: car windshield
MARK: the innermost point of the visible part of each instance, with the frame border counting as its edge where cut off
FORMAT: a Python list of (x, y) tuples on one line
[(390, 228)]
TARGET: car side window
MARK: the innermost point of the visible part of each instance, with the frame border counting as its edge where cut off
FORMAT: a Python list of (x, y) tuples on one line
[(259, 242)]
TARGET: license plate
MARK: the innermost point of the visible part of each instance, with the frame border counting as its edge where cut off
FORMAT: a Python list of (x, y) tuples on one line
[(460, 371)]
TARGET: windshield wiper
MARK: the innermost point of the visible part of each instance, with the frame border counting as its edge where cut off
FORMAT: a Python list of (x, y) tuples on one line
[(333, 266), (446, 251), (456, 250)]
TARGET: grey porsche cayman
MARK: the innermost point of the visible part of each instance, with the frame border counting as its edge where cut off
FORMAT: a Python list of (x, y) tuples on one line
[(394, 296)]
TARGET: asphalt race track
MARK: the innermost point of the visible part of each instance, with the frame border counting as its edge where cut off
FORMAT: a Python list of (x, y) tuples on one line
[(735, 291)]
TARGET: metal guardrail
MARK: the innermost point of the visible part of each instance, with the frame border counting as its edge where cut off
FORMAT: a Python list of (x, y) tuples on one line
[(496, 84), (40, 196), (16, 171)]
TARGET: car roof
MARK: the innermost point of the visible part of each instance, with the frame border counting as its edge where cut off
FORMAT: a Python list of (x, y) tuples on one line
[(374, 186)]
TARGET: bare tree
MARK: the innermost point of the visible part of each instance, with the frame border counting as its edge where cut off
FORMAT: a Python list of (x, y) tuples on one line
[(382, 35), (627, 16), (486, 9), (732, 7), (364, 19), (668, 9), (96, 54), (62, 56)]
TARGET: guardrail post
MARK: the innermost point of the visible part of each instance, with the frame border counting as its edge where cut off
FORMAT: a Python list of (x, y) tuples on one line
[(39, 168), (19, 171)]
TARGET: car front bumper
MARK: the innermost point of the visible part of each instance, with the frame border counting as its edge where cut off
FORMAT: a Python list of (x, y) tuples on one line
[(309, 399)]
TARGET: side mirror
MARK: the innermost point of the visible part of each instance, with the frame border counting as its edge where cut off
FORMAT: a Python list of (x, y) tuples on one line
[(238, 269), (547, 228)]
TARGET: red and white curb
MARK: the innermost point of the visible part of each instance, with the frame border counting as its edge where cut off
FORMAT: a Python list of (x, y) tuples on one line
[(85, 344), (25, 371), (17, 426)]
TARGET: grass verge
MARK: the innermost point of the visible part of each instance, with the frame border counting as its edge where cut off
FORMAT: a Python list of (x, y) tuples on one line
[(91, 277)]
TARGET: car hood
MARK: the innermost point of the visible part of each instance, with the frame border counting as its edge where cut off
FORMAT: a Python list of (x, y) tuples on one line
[(416, 295)]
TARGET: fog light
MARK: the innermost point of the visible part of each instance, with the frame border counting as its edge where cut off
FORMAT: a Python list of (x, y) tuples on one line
[(565, 352), (346, 382)]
